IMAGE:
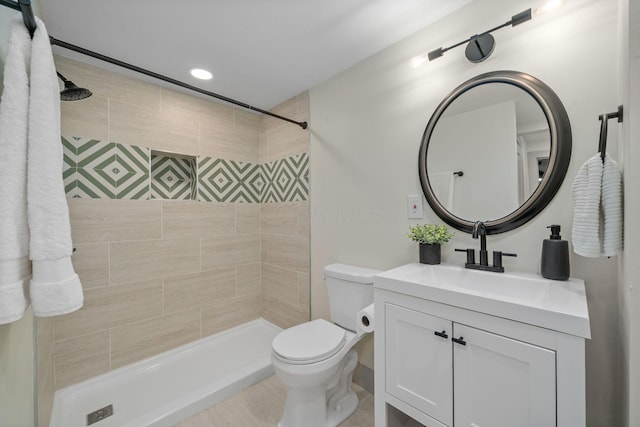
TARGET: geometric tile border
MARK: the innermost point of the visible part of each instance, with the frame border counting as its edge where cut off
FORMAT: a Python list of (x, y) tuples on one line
[(193, 165), (171, 177), (132, 178), (96, 169), (222, 180), (286, 180), (69, 166), (107, 170)]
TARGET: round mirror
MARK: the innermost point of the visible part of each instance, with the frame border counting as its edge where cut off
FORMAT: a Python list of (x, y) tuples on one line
[(495, 150)]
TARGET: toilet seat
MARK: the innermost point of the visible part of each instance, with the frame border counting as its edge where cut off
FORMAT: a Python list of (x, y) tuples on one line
[(309, 342)]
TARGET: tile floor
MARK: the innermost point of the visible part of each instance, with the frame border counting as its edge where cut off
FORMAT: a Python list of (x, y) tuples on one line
[(261, 406)]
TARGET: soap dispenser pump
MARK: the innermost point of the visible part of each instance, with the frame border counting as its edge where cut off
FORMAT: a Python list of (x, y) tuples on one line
[(555, 256)]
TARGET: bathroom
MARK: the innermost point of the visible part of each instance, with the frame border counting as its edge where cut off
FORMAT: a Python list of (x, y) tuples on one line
[(365, 128)]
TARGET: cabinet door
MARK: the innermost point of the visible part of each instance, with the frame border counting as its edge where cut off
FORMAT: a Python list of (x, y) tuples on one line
[(419, 362), (501, 382)]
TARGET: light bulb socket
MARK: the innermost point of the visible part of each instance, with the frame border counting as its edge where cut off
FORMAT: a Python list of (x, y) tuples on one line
[(437, 53), (521, 17)]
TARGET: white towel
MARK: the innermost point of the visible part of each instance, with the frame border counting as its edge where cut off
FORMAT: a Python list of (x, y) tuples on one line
[(597, 196), (612, 208), (14, 234), (55, 287), (586, 188)]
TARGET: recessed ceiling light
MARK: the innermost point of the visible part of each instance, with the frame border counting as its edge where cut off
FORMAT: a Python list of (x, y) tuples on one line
[(200, 73)]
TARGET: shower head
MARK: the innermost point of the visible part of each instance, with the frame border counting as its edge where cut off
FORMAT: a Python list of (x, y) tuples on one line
[(72, 92)]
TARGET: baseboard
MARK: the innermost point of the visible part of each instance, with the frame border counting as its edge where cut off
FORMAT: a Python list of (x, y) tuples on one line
[(363, 376)]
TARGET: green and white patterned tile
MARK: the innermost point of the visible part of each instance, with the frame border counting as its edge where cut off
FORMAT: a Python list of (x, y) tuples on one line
[(69, 144), (132, 176), (96, 161), (254, 184), (98, 169), (69, 166), (286, 180), (251, 180), (171, 178), (228, 181), (268, 195), (193, 164), (105, 170)]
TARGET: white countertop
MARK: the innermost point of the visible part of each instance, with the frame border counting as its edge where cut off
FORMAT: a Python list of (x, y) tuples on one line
[(528, 298)]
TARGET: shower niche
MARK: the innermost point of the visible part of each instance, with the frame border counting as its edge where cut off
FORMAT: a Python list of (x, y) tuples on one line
[(173, 176)]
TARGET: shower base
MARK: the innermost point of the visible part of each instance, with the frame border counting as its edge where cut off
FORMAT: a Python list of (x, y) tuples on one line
[(168, 388)]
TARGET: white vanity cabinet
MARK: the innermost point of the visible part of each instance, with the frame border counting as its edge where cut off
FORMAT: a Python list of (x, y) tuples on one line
[(419, 368), (454, 356), (495, 381), (502, 382)]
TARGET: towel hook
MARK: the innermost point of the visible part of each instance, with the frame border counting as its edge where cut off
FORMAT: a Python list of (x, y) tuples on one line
[(604, 118)]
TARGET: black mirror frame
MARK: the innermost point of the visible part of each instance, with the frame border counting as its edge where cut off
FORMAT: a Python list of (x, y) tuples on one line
[(559, 157)]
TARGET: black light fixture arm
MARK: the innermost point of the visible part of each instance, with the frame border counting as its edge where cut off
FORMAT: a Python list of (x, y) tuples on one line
[(516, 19), (24, 6)]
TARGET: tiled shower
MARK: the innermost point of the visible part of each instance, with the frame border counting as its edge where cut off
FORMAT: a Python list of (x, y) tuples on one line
[(188, 217)]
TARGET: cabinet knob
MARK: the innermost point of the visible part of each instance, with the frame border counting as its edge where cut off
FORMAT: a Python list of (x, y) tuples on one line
[(460, 341), (442, 334)]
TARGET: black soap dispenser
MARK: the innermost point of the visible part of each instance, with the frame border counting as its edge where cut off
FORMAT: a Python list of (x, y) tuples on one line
[(555, 256)]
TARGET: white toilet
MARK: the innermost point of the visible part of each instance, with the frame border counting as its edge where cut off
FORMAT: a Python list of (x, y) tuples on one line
[(315, 360)]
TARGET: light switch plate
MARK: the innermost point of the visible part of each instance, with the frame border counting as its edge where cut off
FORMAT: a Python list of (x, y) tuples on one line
[(414, 207)]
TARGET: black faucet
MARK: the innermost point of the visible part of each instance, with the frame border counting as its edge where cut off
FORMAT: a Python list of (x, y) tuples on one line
[(479, 230)]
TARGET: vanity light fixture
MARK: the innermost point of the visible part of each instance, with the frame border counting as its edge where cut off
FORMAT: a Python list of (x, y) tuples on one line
[(481, 45), (201, 73)]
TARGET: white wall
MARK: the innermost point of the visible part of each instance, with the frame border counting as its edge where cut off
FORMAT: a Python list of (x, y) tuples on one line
[(629, 96), (494, 170), (367, 123)]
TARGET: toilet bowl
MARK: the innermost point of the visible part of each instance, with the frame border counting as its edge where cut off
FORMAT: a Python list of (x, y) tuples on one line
[(317, 377), (315, 360)]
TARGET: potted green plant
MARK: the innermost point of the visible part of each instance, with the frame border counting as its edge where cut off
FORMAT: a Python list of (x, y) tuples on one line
[(430, 237)]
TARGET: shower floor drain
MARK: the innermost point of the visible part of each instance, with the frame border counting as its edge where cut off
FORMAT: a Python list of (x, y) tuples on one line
[(99, 414)]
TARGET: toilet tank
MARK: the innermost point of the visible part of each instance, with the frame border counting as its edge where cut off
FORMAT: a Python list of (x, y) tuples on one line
[(350, 290)]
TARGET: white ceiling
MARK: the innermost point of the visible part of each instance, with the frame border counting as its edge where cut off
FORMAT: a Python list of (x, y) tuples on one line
[(261, 52)]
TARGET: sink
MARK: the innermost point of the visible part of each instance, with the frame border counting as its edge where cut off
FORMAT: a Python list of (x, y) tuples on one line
[(528, 298), (498, 285)]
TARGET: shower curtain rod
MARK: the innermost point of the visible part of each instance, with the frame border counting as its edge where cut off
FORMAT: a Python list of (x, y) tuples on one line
[(24, 6), (155, 75)]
